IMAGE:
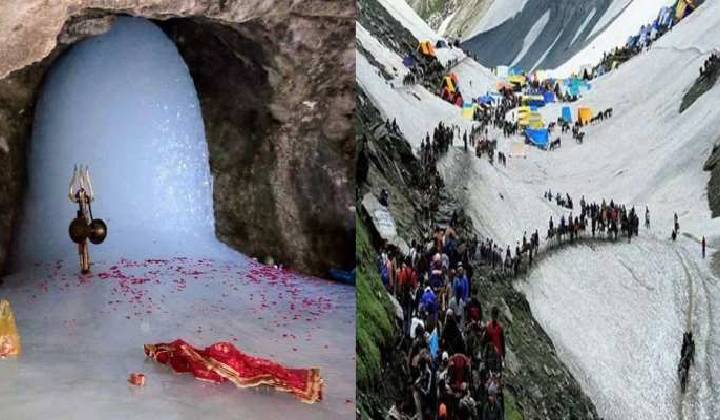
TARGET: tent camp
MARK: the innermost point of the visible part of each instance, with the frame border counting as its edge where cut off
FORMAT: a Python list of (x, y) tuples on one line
[(426, 49), (567, 114), (538, 137), (584, 114)]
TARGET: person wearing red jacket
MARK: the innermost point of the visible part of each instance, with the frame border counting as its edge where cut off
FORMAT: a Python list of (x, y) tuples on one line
[(407, 284), (495, 332), (458, 380)]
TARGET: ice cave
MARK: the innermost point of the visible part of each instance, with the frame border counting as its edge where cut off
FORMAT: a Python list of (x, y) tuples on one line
[(125, 104)]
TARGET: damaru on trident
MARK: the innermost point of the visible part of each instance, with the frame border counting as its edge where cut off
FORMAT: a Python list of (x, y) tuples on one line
[(84, 227)]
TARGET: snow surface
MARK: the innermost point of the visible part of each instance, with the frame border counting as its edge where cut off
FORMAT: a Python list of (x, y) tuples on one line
[(499, 12), (406, 15), (391, 62), (400, 102), (616, 312), (125, 104), (616, 34), (531, 36)]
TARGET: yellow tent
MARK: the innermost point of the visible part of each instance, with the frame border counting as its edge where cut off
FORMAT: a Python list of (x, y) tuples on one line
[(527, 99), (468, 111), (517, 79), (425, 48), (535, 125), (535, 121), (448, 83), (681, 8), (9, 336), (584, 114), (523, 115)]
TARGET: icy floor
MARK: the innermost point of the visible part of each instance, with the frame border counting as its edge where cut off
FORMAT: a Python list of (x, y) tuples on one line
[(83, 336)]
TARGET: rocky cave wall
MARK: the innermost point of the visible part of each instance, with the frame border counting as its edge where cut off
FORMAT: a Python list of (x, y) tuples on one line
[(275, 83)]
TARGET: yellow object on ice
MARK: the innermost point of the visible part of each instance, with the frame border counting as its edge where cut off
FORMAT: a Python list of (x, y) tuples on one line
[(584, 114), (531, 119), (468, 111), (9, 336)]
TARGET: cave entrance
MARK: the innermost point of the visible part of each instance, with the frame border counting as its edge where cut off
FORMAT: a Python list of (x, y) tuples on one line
[(123, 103), (277, 131)]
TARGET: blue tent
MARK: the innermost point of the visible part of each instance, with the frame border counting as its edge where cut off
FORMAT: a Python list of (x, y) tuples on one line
[(538, 138), (409, 61), (549, 96), (567, 114), (514, 71), (486, 99), (536, 103)]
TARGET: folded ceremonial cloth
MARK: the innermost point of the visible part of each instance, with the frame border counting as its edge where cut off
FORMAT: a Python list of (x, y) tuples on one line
[(223, 362), (9, 337)]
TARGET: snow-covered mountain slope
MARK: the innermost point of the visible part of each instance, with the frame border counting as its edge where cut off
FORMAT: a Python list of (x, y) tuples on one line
[(616, 313), (546, 34), (417, 110)]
